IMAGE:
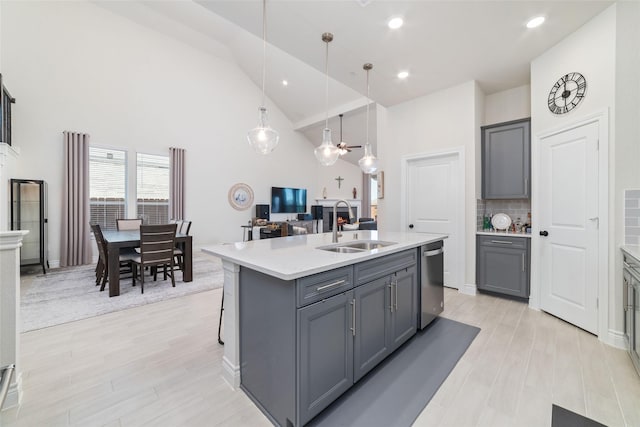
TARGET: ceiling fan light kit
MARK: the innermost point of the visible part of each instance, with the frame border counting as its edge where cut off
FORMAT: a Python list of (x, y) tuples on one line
[(343, 147), (263, 139), (327, 153)]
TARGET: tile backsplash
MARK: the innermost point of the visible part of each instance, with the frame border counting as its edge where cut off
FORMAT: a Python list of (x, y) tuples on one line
[(632, 217), (516, 208)]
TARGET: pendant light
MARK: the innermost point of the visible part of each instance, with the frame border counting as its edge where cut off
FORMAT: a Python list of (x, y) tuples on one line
[(327, 153), (263, 139), (368, 163)]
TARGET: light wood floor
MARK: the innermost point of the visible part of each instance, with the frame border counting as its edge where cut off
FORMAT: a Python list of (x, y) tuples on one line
[(160, 365)]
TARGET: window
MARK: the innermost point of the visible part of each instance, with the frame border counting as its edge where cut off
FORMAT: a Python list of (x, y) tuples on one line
[(152, 182), (107, 186), (5, 113)]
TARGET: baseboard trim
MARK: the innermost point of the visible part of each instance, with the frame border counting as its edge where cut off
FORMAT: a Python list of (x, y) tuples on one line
[(55, 263), (468, 289), (615, 339), (230, 373)]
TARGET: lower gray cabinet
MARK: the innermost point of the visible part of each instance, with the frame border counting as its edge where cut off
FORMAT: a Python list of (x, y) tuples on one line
[(373, 318), (405, 306), (503, 265), (325, 365)]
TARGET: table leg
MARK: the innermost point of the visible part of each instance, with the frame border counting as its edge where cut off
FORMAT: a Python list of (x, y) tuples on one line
[(113, 253), (187, 273)]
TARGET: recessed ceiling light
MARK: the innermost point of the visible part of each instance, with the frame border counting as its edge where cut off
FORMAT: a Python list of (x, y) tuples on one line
[(395, 23), (535, 22), (285, 83), (403, 74)]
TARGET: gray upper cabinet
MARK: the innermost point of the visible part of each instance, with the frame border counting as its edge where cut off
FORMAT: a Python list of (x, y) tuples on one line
[(325, 366), (503, 265), (506, 160)]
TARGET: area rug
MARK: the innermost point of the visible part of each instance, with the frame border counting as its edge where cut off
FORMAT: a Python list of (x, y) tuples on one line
[(561, 417), (68, 294), (396, 391)]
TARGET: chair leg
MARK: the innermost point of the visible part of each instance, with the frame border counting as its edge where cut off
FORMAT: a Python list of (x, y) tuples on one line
[(173, 281), (220, 322), (104, 278), (141, 280)]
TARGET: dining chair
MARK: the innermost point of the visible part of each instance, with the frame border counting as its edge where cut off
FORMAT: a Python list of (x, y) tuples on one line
[(184, 228), (157, 243), (128, 224), (102, 269)]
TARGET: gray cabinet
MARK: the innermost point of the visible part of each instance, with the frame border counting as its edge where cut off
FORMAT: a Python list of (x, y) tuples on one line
[(506, 160), (325, 365), (373, 320), (305, 342), (405, 306), (503, 265)]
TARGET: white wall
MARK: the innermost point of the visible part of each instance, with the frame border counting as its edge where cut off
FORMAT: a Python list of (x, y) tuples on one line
[(443, 120), (591, 50), (327, 179), (75, 66), (510, 104)]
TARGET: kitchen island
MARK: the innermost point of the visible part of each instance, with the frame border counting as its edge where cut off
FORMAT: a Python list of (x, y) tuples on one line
[(305, 318)]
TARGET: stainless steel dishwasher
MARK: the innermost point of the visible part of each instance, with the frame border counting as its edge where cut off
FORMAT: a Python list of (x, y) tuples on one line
[(431, 282)]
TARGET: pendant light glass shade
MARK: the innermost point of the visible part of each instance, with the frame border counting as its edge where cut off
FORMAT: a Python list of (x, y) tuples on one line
[(262, 138), (368, 163), (327, 153)]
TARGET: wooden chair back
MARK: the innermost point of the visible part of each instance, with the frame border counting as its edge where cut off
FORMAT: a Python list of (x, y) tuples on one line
[(185, 227), (128, 224), (157, 243), (100, 243)]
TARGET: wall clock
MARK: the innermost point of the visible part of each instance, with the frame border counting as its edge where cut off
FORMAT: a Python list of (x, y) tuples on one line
[(567, 93), (240, 197)]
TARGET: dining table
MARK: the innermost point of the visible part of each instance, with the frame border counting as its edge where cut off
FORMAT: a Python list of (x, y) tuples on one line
[(119, 239)]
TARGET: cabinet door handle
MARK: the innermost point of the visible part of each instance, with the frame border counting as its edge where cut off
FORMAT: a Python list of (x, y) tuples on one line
[(502, 242), (391, 297), (353, 317), (330, 285), (523, 263), (395, 303)]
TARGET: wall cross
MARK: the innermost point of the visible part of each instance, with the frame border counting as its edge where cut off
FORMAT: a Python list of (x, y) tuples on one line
[(339, 179)]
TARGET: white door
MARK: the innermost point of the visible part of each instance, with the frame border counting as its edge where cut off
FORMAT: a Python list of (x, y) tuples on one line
[(433, 205), (569, 214)]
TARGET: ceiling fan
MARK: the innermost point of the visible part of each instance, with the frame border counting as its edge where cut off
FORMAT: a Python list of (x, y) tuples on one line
[(343, 146)]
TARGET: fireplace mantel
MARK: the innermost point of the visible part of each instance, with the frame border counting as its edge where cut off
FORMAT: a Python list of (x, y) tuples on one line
[(355, 203)]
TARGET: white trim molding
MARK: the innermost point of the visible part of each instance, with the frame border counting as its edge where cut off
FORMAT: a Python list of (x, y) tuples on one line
[(231, 358), (616, 339), (7, 150), (468, 289)]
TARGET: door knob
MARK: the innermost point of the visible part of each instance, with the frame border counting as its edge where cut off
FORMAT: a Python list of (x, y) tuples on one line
[(544, 233), (410, 225)]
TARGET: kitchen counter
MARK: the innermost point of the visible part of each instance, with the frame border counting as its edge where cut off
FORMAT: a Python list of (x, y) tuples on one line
[(286, 259), (503, 233), (292, 257)]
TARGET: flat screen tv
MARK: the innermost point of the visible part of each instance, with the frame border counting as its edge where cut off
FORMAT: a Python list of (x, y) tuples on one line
[(288, 200)]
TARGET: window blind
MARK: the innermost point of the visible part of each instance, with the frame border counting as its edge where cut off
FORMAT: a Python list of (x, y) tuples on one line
[(107, 186), (152, 183)]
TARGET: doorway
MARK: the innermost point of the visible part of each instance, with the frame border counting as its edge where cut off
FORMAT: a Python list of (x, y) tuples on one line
[(433, 202), (572, 212)]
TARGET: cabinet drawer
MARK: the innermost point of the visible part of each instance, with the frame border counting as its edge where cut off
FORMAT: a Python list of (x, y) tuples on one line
[(371, 270), (314, 288), (502, 241)]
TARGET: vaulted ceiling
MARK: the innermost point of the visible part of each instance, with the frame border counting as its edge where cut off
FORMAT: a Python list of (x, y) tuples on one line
[(442, 44)]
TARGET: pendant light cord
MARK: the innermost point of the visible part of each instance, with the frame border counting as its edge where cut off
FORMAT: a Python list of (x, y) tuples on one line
[(264, 48), (326, 72), (367, 141)]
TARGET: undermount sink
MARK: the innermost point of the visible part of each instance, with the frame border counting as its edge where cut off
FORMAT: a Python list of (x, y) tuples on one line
[(356, 246)]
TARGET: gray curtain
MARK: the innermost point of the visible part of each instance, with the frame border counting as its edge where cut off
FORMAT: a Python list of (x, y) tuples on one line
[(75, 248), (176, 186)]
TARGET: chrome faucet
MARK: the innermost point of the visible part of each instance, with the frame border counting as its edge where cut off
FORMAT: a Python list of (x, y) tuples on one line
[(335, 218)]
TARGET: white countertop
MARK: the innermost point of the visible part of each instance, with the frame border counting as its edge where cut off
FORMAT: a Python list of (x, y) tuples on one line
[(632, 250), (292, 257), (503, 233)]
